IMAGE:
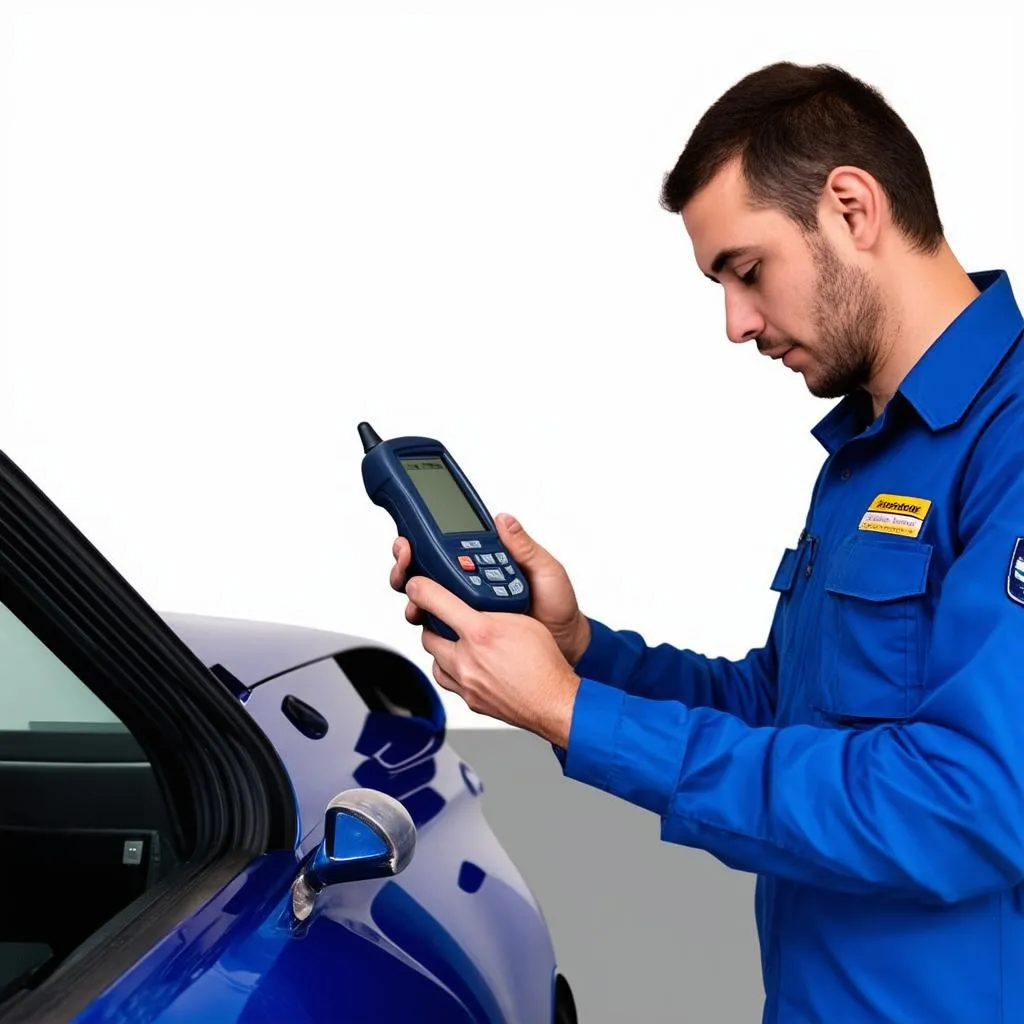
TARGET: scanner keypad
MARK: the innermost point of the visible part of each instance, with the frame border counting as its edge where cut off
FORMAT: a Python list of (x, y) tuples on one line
[(492, 569)]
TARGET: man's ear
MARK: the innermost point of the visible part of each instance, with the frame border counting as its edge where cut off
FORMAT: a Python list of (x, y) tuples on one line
[(854, 207)]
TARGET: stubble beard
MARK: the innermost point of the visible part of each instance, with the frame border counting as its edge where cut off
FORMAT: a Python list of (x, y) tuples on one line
[(849, 315)]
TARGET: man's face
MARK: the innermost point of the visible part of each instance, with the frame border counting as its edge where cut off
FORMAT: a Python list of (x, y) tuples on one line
[(789, 292)]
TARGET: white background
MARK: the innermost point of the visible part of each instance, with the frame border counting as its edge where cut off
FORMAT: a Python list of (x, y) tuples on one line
[(231, 231)]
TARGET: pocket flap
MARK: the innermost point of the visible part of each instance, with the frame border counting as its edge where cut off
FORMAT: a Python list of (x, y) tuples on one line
[(786, 571), (875, 570)]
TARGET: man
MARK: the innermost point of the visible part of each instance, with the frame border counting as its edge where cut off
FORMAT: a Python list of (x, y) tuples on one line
[(868, 761)]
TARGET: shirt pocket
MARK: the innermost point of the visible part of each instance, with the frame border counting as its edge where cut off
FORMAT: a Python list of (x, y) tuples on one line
[(784, 574), (782, 584), (872, 629)]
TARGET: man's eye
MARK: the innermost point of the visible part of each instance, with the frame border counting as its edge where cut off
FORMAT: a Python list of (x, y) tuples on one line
[(751, 275)]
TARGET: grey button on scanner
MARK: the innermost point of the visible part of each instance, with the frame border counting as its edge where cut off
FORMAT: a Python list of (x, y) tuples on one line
[(500, 591)]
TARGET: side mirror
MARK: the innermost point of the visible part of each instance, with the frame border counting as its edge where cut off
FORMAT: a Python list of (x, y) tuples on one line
[(367, 834)]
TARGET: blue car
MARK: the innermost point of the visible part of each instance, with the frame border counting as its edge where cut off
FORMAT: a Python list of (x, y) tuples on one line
[(227, 821)]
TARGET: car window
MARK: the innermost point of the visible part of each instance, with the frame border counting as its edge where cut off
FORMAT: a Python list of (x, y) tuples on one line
[(83, 826), (39, 691)]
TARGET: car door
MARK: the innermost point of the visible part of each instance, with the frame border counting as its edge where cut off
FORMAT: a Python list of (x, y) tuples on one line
[(138, 799)]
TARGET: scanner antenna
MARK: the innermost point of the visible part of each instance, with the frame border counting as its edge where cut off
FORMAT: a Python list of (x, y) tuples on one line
[(368, 436)]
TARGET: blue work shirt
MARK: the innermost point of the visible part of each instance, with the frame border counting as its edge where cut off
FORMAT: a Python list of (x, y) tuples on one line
[(867, 763)]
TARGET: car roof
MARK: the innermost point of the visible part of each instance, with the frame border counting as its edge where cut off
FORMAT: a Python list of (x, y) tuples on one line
[(254, 651)]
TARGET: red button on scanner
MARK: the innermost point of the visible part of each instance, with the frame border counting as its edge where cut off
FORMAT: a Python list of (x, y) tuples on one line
[(467, 563)]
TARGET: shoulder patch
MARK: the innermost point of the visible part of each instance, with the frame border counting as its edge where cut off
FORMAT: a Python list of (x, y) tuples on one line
[(1015, 574)]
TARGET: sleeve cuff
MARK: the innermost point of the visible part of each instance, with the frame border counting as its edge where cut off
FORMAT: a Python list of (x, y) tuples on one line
[(626, 746)]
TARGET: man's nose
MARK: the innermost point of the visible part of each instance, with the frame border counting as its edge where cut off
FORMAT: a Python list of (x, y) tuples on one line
[(742, 320)]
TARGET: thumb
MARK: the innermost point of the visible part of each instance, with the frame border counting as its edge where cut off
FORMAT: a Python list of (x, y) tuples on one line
[(522, 547)]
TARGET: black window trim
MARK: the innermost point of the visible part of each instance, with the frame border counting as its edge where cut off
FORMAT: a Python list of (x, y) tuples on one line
[(227, 793)]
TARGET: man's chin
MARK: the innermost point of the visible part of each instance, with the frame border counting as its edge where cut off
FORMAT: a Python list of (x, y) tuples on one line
[(818, 380), (819, 385), (827, 388)]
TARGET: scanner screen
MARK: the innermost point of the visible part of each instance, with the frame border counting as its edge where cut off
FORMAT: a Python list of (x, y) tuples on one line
[(443, 496)]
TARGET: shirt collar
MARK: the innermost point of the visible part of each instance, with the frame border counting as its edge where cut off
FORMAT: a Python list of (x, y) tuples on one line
[(947, 378)]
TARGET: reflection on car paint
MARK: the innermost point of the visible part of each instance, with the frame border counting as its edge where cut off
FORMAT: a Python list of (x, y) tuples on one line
[(400, 762)]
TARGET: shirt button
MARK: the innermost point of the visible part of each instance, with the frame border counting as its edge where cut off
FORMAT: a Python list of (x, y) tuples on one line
[(845, 475)]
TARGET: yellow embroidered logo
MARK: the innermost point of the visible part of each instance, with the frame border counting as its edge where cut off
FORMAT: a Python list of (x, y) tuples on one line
[(896, 513)]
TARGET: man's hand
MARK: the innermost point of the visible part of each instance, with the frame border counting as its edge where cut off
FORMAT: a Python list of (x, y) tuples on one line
[(552, 598), (504, 665)]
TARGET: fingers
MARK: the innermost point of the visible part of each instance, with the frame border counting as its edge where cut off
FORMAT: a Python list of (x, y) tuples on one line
[(445, 680), (443, 653), (403, 555), (521, 546), (431, 597)]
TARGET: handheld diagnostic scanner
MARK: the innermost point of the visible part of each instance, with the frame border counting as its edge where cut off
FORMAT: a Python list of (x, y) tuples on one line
[(452, 535)]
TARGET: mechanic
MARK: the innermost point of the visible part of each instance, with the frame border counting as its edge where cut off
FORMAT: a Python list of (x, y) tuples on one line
[(867, 763)]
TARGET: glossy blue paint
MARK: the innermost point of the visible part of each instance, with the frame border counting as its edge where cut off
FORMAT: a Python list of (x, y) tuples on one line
[(373, 951), (408, 925), (240, 960), (399, 760), (455, 937)]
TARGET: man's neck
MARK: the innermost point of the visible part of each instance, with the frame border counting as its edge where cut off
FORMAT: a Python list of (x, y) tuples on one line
[(924, 294)]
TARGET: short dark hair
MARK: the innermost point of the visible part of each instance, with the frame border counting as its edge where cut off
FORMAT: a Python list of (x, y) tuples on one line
[(791, 125)]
